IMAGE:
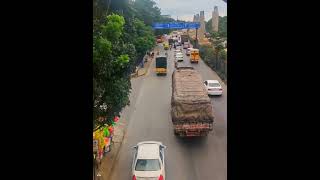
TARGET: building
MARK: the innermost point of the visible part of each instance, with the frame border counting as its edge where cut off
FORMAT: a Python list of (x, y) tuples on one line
[(202, 28)]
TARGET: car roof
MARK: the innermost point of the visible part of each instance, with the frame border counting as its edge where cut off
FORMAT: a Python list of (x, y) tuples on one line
[(213, 81), (148, 151)]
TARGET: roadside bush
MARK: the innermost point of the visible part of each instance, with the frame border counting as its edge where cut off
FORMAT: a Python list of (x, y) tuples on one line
[(207, 54)]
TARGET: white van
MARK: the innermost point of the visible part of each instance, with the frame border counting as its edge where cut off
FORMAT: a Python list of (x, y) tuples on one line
[(188, 51)]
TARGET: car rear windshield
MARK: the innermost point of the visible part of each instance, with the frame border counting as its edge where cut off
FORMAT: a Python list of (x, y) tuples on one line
[(147, 165), (214, 85)]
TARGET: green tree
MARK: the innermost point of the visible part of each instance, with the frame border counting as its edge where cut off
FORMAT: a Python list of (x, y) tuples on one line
[(121, 35), (215, 34), (218, 47), (110, 82), (148, 12)]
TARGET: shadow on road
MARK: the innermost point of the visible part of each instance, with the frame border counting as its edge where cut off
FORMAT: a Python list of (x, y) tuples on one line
[(215, 96), (194, 142)]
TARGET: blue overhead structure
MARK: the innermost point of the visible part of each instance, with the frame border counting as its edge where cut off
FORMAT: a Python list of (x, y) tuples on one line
[(176, 25)]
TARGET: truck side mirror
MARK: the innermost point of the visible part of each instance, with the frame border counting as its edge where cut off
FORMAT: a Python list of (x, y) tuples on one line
[(134, 147)]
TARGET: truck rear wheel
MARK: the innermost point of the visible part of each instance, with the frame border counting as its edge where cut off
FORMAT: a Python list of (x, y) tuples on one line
[(204, 133)]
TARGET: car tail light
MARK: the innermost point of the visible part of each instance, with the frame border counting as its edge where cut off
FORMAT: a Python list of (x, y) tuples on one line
[(160, 177), (220, 89), (134, 177)]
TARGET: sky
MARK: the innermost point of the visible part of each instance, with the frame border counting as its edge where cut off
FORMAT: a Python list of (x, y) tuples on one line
[(185, 9)]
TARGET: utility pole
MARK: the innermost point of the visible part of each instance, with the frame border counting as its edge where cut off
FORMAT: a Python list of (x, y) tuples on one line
[(196, 38)]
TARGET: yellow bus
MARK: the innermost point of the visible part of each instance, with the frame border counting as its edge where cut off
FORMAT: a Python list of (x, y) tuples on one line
[(194, 55), (161, 65)]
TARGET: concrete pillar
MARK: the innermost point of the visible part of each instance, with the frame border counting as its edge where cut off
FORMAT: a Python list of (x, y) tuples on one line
[(215, 19), (202, 28), (196, 18)]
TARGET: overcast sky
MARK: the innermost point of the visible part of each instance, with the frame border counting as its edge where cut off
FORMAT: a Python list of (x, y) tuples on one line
[(185, 9)]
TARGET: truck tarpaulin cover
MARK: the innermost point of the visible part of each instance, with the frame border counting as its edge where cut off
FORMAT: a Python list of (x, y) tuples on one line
[(189, 101)]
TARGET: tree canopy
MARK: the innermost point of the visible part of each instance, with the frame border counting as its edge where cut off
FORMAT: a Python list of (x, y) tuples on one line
[(122, 34)]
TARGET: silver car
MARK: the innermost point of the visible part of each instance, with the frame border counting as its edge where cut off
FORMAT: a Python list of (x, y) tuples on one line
[(179, 57), (148, 161)]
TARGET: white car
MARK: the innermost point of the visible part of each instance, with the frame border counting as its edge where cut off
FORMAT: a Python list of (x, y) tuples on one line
[(148, 161), (188, 51), (178, 54), (177, 51), (213, 87), (179, 57)]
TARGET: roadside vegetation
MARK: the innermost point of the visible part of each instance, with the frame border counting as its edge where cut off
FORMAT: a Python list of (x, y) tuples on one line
[(122, 35)]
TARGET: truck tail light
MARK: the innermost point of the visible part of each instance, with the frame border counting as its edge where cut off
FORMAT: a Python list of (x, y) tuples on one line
[(134, 177), (160, 177)]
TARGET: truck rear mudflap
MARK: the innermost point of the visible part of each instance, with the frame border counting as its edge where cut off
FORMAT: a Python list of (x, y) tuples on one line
[(193, 129)]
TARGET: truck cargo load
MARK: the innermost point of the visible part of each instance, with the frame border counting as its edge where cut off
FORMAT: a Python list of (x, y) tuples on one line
[(191, 108)]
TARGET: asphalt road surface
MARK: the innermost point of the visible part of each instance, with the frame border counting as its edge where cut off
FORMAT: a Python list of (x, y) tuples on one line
[(202, 158)]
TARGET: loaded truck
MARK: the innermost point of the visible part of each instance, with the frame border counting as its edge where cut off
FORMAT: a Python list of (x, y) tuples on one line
[(170, 41), (159, 39), (184, 38), (191, 108)]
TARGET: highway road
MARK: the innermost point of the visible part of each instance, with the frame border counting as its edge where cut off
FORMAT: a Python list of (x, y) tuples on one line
[(202, 158)]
